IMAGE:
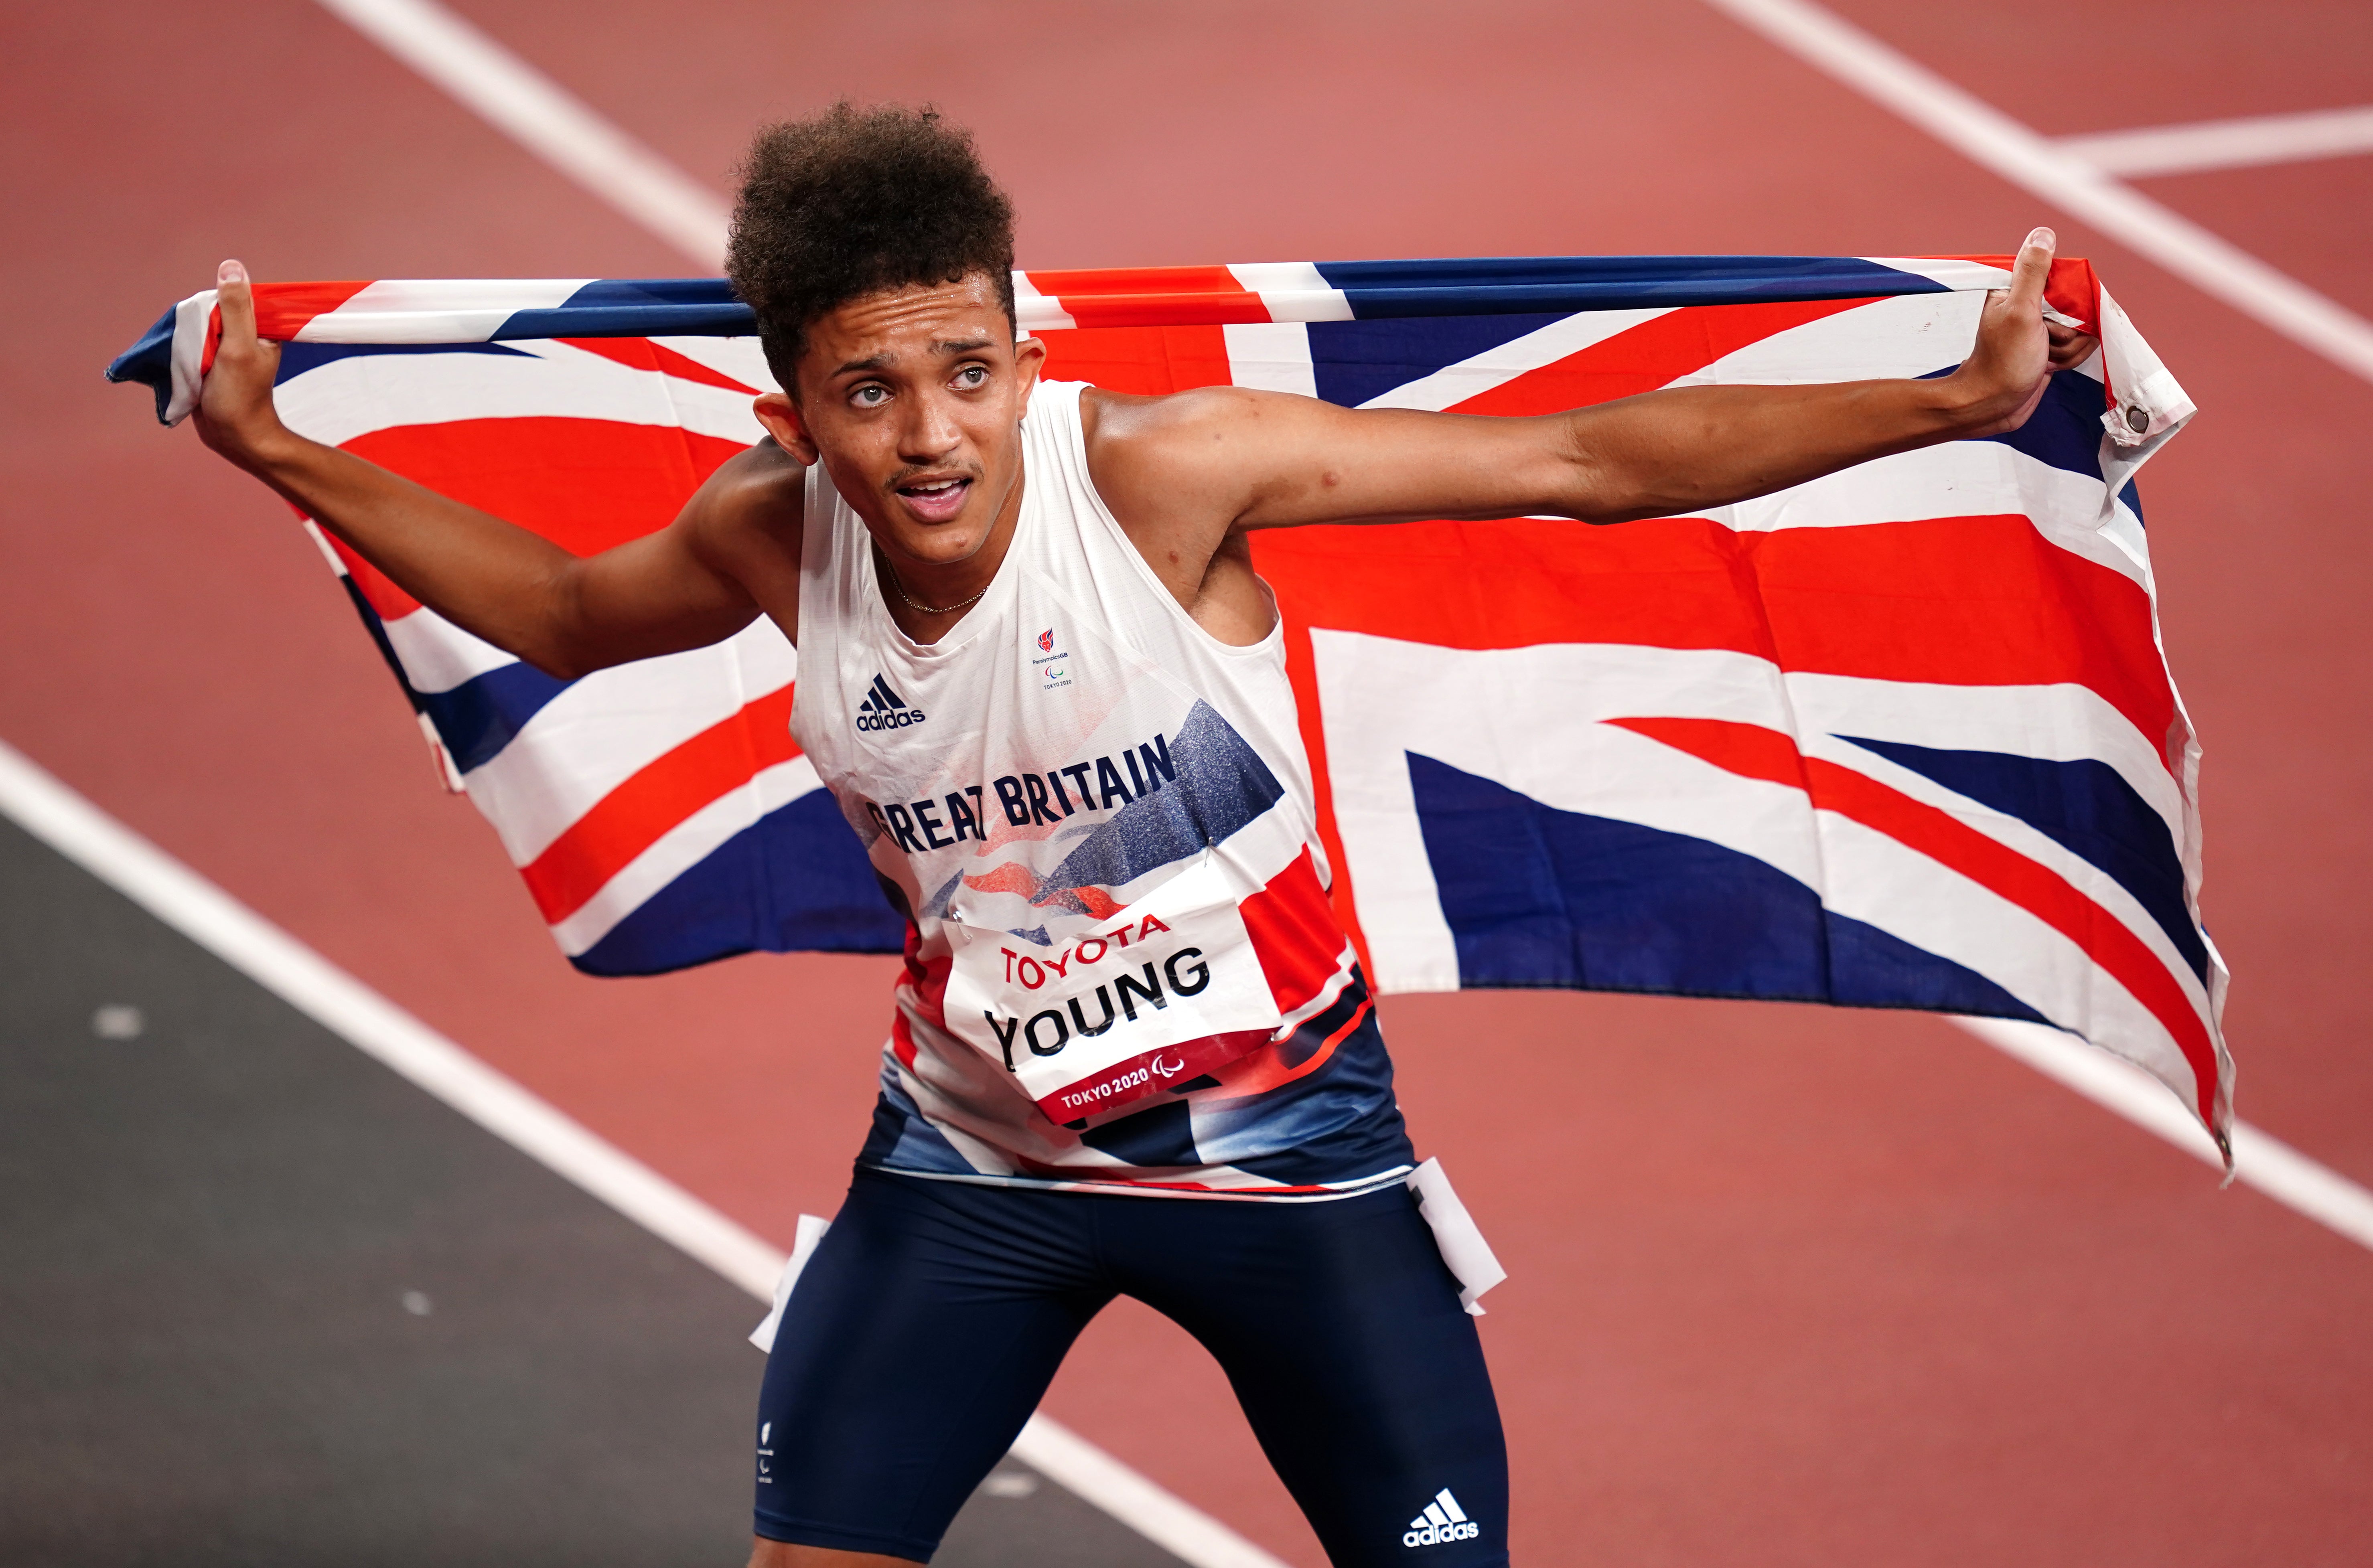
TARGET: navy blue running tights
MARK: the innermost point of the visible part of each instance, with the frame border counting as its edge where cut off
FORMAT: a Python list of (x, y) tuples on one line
[(934, 1313)]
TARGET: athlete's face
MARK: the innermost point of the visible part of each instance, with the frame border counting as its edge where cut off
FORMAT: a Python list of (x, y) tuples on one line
[(912, 400)]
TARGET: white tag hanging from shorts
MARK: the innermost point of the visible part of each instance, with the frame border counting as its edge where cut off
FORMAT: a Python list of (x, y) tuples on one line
[(803, 1246), (1455, 1234)]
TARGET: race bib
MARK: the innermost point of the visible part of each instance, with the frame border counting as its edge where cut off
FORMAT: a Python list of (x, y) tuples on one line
[(1152, 997)]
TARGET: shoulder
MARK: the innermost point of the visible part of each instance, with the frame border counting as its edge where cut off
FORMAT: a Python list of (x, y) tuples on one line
[(1201, 430), (750, 512), (1181, 471), (1130, 421)]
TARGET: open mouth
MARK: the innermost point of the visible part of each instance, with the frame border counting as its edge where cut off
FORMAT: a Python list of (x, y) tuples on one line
[(935, 500)]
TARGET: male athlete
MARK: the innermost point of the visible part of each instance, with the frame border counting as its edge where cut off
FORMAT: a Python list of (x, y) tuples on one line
[(1131, 1052)]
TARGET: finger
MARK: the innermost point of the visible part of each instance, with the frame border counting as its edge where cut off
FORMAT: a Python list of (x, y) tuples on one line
[(236, 299), (2029, 273), (2073, 351)]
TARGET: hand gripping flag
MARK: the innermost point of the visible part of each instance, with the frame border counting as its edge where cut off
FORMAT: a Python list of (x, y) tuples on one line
[(1903, 736)]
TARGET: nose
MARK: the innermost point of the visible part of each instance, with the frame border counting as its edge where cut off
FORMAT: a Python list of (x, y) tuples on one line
[(930, 432)]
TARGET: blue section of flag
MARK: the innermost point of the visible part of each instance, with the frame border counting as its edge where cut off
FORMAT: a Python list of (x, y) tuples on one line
[(476, 719), (1538, 897), (1355, 361), (795, 880), (149, 361), (639, 308), (479, 717), (671, 293), (1499, 284), (2065, 429), (2086, 807), (297, 358)]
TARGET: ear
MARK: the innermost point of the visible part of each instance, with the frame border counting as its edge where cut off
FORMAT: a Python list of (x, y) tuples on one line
[(1029, 359), (781, 418)]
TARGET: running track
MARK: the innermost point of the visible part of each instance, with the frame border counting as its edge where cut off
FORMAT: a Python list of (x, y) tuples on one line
[(1796, 1285)]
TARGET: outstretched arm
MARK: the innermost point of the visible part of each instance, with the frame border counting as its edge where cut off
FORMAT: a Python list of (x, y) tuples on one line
[(683, 587), (1270, 460)]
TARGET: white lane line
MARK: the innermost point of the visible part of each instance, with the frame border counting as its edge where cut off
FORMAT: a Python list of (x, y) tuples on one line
[(1986, 134), (2259, 1159), (2227, 144), (46, 808), (547, 119), (1164, 1518)]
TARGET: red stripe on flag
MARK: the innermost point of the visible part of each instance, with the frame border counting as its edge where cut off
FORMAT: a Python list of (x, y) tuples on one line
[(1151, 296), (1652, 355), (377, 590), (1755, 753), (635, 815), (585, 484), (1956, 601), (641, 353), (281, 310), (1145, 360)]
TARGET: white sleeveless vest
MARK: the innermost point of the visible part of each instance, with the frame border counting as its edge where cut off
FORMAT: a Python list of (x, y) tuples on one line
[(1099, 820)]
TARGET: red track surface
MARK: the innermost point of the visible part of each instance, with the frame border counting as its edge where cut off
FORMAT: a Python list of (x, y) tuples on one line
[(1788, 1285)]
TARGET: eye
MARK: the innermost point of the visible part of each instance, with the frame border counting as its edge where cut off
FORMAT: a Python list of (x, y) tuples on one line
[(872, 395), (972, 378)]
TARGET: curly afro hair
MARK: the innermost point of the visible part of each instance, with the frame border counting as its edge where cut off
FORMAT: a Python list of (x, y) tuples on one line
[(854, 201)]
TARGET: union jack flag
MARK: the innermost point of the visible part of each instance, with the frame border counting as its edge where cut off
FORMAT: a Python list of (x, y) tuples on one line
[(1904, 737)]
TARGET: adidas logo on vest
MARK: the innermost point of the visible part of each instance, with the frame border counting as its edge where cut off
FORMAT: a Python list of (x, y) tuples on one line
[(884, 709), (1441, 1521)]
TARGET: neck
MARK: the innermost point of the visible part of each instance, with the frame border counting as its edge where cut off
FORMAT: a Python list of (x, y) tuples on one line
[(926, 598)]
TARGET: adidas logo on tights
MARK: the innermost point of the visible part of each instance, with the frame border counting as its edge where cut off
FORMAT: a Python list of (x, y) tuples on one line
[(884, 709), (1441, 1521)]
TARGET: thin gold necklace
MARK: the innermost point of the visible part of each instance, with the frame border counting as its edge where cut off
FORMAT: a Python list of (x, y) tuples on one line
[(909, 599)]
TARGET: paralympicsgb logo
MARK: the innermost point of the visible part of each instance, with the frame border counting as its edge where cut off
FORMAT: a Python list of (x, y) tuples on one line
[(1441, 1522)]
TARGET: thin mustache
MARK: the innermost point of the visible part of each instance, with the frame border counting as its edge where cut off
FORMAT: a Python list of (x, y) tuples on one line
[(911, 475)]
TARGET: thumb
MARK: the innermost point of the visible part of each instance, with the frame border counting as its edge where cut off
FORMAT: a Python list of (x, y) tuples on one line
[(235, 297), (235, 398), (2030, 271)]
